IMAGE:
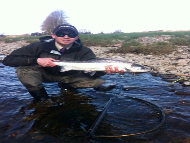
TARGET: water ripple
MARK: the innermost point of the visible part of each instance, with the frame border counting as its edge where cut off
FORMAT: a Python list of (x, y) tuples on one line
[(23, 120)]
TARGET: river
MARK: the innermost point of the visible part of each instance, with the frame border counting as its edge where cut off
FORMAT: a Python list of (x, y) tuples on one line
[(136, 102)]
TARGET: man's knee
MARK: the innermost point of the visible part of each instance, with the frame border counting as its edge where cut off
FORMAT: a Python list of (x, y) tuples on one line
[(27, 70), (30, 77), (88, 83), (98, 82)]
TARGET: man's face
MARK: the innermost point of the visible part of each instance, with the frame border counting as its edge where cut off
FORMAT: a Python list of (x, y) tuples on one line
[(65, 37)]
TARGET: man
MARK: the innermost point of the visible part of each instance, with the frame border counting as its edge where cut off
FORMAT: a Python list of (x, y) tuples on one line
[(36, 65)]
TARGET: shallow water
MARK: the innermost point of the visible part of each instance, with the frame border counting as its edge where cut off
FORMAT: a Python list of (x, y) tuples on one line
[(23, 120)]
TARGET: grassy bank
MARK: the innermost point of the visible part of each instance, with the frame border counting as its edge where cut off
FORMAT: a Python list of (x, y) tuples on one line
[(129, 42)]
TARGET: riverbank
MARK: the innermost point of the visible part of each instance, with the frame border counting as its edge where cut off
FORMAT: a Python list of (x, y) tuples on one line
[(176, 63)]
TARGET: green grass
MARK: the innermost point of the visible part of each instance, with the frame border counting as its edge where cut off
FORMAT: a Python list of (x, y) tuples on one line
[(128, 41), (29, 39), (185, 41), (159, 48), (102, 39)]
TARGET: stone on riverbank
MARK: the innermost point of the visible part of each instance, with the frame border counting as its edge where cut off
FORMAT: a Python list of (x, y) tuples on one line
[(174, 63)]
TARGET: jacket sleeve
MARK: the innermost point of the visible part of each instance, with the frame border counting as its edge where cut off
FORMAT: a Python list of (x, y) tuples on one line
[(88, 55), (23, 56)]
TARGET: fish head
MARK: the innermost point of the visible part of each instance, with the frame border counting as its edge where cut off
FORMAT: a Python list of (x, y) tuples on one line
[(136, 68)]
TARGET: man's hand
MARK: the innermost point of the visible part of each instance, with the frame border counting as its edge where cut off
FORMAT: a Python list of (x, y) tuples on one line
[(46, 62), (110, 69)]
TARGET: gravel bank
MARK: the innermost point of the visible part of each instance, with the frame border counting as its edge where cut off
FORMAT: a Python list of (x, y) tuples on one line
[(175, 63)]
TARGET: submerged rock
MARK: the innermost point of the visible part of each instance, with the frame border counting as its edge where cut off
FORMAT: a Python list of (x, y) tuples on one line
[(186, 83), (126, 88), (105, 87)]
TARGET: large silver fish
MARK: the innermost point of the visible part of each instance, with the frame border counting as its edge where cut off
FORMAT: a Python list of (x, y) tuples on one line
[(99, 65)]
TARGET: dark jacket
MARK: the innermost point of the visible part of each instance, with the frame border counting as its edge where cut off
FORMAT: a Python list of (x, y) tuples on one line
[(27, 55)]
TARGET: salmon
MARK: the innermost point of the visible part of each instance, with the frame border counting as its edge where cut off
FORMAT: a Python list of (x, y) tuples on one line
[(99, 65)]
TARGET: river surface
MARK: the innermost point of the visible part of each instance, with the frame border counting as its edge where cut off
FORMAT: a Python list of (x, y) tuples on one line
[(71, 120)]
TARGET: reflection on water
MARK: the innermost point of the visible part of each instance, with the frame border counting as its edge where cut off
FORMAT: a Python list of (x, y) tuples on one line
[(23, 120)]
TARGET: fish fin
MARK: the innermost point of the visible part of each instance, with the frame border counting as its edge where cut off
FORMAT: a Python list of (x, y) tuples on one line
[(63, 69)]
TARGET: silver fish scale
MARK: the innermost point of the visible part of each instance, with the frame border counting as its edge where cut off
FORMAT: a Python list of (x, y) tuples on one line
[(99, 65), (98, 61)]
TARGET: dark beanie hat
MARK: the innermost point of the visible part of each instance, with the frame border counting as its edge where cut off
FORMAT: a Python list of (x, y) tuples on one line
[(65, 27)]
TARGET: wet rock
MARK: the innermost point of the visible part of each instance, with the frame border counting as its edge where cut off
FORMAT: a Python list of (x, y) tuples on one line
[(187, 140), (171, 89), (126, 88), (105, 87), (169, 77), (185, 102), (170, 80), (2, 57), (186, 83), (182, 93), (169, 111)]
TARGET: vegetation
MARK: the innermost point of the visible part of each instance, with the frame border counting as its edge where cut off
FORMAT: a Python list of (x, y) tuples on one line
[(185, 41), (129, 41), (138, 48), (53, 19), (28, 39)]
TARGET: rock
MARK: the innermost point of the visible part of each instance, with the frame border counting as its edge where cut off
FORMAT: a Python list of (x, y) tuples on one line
[(126, 88), (105, 87), (2, 57), (182, 93), (174, 63), (7, 48), (182, 62), (186, 83)]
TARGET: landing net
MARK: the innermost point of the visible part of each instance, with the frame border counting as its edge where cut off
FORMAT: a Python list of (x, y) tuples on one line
[(128, 116)]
